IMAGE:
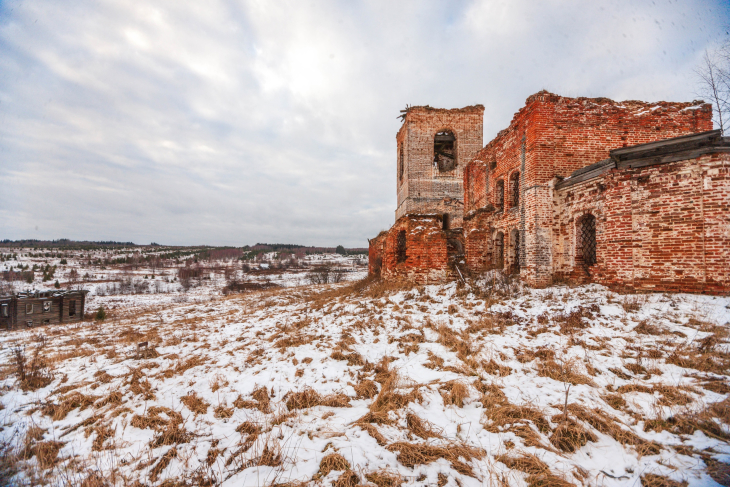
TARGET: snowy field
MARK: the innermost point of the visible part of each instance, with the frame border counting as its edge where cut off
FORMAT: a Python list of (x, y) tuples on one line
[(374, 384)]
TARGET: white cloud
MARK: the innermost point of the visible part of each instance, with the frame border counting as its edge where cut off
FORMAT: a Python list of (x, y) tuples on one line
[(237, 122)]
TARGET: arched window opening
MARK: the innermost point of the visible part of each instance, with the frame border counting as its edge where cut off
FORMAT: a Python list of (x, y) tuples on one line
[(587, 241), (400, 247), (446, 221), (401, 162), (515, 187), (444, 151), (499, 251), (515, 241), (499, 194)]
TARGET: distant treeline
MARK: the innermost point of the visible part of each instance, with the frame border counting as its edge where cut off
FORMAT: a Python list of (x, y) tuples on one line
[(64, 242), (299, 250), (208, 252)]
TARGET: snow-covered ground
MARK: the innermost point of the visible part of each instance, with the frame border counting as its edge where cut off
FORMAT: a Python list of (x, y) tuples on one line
[(155, 271), (378, 384)]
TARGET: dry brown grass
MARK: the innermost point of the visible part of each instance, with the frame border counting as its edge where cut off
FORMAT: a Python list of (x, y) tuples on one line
[(494, 368), (525, 355), (366, 389), (654, 480), (66, 404), (384, 478), (646, 329), (309, 398), (372, 431), (35, 373), (389, 399), (538, 473), (249, 428), (719, 471), (704, 356), (492, 323), (563, 371), (333, 461), (223, 412), (168, 428), (708, 420), (46, 452), (103, 433), (420, 427), (353, 358), (569, 436), (195, 403), (162, 464), (189, 363), (139, 384), (633, 302), (455, 394), (492, 396), (716, 384), (412, 454), (292, 341), (505, 415), (577, 319), (669, 395), (434, 361), (347, 479), (607, 425), (458, 344)]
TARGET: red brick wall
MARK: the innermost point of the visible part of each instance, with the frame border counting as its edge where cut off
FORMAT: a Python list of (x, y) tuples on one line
[(564, 134), (558, 135), (426, 250), (661, 228), (375, 254)]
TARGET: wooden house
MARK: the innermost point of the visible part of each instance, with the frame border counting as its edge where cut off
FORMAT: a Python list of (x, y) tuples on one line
[(36, 308)]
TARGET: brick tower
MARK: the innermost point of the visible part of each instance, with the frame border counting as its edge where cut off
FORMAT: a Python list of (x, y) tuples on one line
[(434, 147)]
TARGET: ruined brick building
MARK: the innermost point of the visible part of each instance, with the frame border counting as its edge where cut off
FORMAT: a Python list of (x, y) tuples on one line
[(629, 194)]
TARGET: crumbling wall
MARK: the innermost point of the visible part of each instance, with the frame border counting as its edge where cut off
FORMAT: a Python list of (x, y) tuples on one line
[(423, 184), (660, 228), (375, 254), (554, 136), (426, 250)]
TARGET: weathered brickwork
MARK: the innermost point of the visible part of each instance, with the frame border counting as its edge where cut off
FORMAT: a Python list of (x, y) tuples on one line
[(661, 228), (422, 185), (629, 194), (425, 252), (552, 136)]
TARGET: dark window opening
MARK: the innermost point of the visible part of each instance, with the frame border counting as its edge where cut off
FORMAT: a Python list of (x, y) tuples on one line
[(444, 151), (516, 248), (515, 186), (72, 307), (499, 195), (46, 306), (29, 323), (5, 311), (446, 221), (400, 248), (499, 251), (587, 240), (46, 322), (401, 163)]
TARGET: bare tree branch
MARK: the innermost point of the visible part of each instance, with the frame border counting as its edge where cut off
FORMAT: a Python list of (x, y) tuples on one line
[(714, 76)]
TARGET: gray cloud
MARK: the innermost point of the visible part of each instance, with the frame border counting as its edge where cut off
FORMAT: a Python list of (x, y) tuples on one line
[(236, 122)]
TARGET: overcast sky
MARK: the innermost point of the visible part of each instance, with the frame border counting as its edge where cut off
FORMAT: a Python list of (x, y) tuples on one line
[(231, 123)]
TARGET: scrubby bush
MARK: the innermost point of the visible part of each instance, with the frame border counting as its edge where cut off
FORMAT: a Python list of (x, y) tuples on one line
[(100, 314)]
